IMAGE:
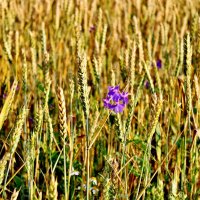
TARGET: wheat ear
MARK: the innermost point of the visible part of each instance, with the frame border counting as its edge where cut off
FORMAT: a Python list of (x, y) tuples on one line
[(188, 77), (3, 163), (155, 120), (53, 193), (149, 76), (62, 112), (84, 92), (63, 130), (18, 129), (7, 105)]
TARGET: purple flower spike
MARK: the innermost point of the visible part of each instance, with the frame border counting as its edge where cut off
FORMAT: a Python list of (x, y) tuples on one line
[(115, 100), (159, 64)]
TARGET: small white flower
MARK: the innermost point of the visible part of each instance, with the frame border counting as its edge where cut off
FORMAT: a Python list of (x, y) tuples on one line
[(79, 187), (74, 173), (94, 190), (93, 180)]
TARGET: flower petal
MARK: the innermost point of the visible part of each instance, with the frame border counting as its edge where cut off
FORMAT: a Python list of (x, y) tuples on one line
[(118, 108), (113, 90), (124, 97), (106, 102)]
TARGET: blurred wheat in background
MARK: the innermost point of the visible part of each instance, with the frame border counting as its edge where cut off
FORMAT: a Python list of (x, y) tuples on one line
[(59, 140)]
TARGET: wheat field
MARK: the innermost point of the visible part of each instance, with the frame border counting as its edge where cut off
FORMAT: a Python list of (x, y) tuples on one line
[(99, 99)]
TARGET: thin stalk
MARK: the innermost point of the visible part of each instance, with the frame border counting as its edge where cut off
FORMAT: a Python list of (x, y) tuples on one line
[(6, 177), (140, 180), (25, 128), (147, 160), (123, 162), (65, 175), (88, 159), (71, 148)]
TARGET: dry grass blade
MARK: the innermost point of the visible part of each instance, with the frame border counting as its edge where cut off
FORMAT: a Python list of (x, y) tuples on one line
[(15, 194)]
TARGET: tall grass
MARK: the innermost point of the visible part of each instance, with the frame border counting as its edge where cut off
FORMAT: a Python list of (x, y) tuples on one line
[(58, 141)]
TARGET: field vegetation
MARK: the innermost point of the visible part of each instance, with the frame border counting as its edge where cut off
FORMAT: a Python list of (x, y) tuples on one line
[(99, 99)]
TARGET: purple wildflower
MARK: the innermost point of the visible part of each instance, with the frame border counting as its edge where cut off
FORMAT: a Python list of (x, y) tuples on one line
[(4, 95), (31, 120), (17, 88), (115, 100), (159, 64), (92, 28), (146, 84)]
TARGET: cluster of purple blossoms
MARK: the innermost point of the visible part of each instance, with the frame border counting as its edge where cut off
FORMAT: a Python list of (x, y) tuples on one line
[(115, 100)]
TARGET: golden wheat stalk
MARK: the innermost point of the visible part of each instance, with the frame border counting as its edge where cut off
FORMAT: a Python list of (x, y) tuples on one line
[(57, 20), (7, 47), (7, 105), (149, 76), (155, 120), (118, 127), (18, 130), (82, 78), (149, 47), (53, 193), (96, 69), (188, 75), (158, 80), (16, 45), (33, 53), (157, 37), (139, 90), (44, 45), (38, 120), (141, 50), (30, 158), (24, 72), (63, 130), (102, 48), (99, 25), (181, 56), (62, 112), (196, 85), (3, 163), (132, 66)]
